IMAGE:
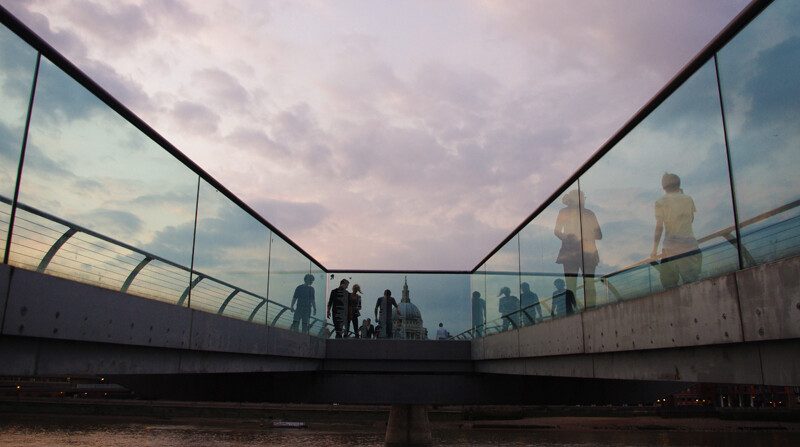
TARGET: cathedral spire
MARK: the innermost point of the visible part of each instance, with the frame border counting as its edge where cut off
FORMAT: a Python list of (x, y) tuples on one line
[(405, 298)]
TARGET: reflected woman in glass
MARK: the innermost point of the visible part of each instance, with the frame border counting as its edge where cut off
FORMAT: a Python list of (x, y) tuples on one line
[(680, 254), (353, 311), (574, 256)]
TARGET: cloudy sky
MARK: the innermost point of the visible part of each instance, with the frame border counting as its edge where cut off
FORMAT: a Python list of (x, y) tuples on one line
[(384, 134)]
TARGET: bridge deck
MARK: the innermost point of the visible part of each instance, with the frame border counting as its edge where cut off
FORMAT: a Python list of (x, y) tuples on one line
[(743, 327)]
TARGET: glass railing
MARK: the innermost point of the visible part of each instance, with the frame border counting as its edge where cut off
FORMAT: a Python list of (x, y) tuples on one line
[(700, 184), (90, 193), (424, 300), (59, 248)]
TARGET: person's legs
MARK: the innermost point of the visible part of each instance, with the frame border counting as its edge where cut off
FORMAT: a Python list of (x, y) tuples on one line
[(337, 327), (389, 329), (571, 276), (301, 316), (527, 316), (338, 320), (668, 273), (690, 267)]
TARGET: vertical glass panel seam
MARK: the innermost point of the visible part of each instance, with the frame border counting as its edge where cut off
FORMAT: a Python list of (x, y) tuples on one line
[(194, 240), (739, 247), (583, 248), (269, 280), (13, 213)]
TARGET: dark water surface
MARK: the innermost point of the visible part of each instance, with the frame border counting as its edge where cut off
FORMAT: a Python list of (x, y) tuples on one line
[(33, 431)]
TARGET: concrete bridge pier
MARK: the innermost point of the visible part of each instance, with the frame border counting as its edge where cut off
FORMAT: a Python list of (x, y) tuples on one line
[(408, 427)]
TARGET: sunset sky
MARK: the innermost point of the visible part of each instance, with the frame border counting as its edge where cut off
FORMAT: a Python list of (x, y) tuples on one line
[(384, 134)]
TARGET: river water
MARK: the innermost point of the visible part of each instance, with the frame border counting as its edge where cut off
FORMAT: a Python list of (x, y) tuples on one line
[(32, 431)]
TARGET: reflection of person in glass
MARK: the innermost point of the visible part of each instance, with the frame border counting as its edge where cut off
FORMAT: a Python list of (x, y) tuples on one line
[(680, 253), (578, 253), (563, 302), (353, 311), (509, 308), (478, 312), (305, 304), (337, 305), (383, 313), (530, 305)]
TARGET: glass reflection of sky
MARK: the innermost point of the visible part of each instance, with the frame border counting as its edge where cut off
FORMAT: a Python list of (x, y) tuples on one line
[(539, 248), (17, 63), (759, 72), (478, 304), (230, 244), (502, 270), (287, 267), (233, 247), (88, 165), (683, 136)]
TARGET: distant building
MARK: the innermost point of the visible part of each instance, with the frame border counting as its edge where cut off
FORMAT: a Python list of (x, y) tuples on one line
[(728, 395), (407, 324)]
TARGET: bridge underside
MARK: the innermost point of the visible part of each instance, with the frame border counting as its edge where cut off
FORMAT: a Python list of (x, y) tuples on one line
[(415, 376), (427, 389)]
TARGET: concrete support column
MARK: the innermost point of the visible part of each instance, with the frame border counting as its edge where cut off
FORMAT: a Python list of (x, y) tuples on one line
[(408, 427)]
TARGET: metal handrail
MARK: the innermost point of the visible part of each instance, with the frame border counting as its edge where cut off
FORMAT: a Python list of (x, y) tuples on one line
[(73, 229)]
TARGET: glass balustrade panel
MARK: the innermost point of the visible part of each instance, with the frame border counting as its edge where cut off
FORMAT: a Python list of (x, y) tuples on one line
[(17, 66), (550, 262), (657, 208), (92, 172), (478, 302), (232, 254), (316, 321), (502, 289), (289, 287), (759, 71)]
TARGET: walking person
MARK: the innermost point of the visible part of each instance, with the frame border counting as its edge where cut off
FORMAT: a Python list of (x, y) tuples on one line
[(441, 333), (353, 311), (384, 305), (337, 304)]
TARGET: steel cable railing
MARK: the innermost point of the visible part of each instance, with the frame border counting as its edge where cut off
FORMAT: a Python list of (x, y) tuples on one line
[(77, 253)]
